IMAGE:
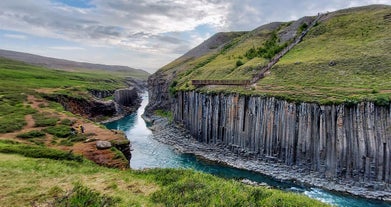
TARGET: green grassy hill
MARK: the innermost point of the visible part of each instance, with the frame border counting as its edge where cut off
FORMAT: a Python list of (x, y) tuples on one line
[(357, 40), (67, 65), (20, 79), (54, 178)]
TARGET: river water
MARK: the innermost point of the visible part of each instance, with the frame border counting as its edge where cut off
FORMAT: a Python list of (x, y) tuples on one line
[(149, 153)]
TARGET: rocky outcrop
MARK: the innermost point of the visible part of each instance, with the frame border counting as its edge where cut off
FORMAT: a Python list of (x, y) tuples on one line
[(101, 94), (126, 97), (124, 146), (89, 108), (125, 101), (349, 142), (159, 96)]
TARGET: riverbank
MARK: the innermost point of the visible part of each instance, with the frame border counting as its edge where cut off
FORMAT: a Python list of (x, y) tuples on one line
[(182, 141)]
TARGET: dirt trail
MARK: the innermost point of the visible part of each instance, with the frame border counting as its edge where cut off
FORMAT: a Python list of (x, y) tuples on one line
[(102, 157)]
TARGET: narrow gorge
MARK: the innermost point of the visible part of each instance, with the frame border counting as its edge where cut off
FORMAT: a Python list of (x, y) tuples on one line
[(340, 141)]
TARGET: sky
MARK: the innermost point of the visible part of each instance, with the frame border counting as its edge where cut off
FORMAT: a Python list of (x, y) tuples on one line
[(143, 34)]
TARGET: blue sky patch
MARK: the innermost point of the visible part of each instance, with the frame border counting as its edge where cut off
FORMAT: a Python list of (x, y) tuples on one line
[(76, 3)]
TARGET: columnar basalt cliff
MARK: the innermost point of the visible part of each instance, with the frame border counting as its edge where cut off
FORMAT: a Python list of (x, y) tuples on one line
[(126, 97), (125, 102), (341, 141)]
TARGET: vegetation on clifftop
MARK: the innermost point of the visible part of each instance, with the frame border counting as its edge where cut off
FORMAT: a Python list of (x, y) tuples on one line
[(345, 57)]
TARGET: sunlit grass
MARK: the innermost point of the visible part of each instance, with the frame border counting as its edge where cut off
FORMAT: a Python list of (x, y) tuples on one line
[(37, 181)]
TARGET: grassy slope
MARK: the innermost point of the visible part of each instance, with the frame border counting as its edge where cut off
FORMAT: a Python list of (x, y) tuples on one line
[(358, 40), (137, 74), (37, 181), (19, 79), (222, 64), (14, 73)]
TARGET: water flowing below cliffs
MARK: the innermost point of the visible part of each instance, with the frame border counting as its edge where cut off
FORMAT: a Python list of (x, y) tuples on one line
[(149, 153), (339, 142)]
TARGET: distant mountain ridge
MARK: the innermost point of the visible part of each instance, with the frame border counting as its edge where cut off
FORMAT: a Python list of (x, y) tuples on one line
[(65, 64)]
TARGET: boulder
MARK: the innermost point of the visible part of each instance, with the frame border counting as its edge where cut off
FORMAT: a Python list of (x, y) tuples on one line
[(101, 145)]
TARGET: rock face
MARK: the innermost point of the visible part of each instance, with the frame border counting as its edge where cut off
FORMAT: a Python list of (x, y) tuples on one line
[(338, 141), (92, 109), (158, 84), (124, 146), (126, 96), (126, 101), (101, 93)]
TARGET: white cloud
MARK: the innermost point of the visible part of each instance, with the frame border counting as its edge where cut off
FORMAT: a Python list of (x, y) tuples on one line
[(15, 36), (66, 48), (112, 22), (155, 29)]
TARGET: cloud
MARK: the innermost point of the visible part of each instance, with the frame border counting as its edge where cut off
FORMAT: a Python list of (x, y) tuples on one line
[(151, 28), (15, 36), (119, 23), (66, 48)]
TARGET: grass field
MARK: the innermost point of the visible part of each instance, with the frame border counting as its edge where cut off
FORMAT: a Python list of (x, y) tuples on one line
[(60, 179), (357, 41), (19, 79)]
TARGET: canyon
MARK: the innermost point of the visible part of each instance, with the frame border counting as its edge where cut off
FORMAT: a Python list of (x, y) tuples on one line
[(316, 118)]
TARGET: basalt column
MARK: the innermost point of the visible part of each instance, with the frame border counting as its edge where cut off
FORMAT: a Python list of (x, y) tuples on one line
[(350, 142)]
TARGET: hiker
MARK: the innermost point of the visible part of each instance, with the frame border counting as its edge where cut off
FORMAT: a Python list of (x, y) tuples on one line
[(81, 129)]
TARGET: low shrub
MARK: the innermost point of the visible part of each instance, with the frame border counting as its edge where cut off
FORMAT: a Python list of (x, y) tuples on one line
[(38, 152), (11, 123), (67, 122), (269, 49), (382, 100), (77, 137), (303, 27), (42, 120), (65, 142), (239, 63), (31, 134), (60, 131)]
